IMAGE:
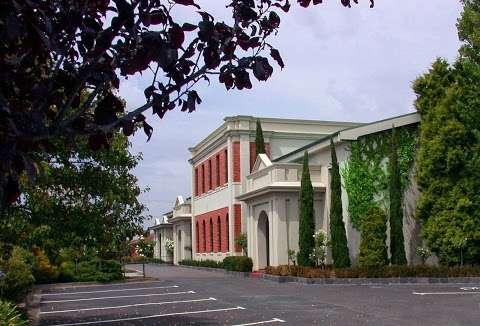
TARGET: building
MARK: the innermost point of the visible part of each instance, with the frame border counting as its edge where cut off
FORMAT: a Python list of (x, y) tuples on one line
[(235, 191), (220, 165), (174, 226)]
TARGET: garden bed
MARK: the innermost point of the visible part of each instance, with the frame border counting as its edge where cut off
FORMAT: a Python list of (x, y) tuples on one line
[(385, 274)]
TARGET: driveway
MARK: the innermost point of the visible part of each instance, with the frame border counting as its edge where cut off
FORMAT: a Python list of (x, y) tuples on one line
[(182, 296)]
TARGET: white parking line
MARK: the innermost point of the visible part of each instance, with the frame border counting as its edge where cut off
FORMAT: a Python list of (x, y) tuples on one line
[(120, 296), (125, 306), (152, 316), (443, 293), (116, 290), (274, 320), (104, 285)]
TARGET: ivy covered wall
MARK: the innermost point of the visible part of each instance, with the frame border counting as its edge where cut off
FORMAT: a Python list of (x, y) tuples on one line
[(365, 174)]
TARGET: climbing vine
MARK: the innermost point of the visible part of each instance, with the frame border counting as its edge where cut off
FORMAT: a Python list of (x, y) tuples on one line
[(365, 174)]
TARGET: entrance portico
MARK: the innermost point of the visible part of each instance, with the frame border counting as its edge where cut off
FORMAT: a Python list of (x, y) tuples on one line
[(271, 198)]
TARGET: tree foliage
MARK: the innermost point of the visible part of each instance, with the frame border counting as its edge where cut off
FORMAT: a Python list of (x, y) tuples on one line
[(338, 234), (52, 51), (306, 241), (259, 142), (448, 167), (373, 246), (397, 246), (82, 199)]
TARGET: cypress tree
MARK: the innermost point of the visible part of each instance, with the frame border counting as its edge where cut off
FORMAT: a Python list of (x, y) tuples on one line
[(259, 142), (340, 254), (306, 242), (373, 245), (397, 247)]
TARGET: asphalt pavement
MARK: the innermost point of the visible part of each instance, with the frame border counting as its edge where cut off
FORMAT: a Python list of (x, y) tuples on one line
[(181, 296)]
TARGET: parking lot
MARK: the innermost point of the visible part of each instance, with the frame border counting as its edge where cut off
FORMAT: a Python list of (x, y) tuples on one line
[(180, 296)]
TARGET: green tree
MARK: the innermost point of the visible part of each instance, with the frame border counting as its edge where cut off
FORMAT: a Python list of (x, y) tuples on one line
[(397, 247), (448, 161), (338, 235), (81, 199), (259, 142), (373, 247), (306, 242)]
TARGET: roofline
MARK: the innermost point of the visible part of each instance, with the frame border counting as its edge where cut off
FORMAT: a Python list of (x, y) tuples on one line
[(223, 126), (335, 134)]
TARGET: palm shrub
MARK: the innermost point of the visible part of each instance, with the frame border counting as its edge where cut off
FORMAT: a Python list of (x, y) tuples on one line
[(259, 141), (397, 247), (373, 247), (241, 241), (339, 244), (10, 315), (306, 241)]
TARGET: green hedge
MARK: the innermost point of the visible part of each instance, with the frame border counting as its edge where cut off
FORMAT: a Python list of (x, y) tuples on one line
[(375, 272), (233, 263), (201, 263), (238, 264)]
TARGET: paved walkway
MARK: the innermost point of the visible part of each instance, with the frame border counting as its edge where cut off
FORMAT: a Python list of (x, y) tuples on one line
[(182, 296)]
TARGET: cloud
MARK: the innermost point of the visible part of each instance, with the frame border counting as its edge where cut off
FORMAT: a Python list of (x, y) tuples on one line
[(352, 64)]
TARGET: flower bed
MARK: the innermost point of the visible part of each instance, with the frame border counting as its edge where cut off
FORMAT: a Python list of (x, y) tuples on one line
[(375, 272)]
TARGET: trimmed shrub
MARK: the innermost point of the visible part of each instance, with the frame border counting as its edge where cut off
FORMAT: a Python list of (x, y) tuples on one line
[(201, 263), (238, 264), (10, 315), (19, 278), (99, 270), (373, 247)]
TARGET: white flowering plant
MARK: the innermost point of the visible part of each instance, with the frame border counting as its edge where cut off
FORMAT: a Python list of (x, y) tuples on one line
[(319, 251), (423, 253), (169, 245)]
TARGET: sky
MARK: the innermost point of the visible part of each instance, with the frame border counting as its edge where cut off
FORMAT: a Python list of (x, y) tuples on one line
[(341, 64)]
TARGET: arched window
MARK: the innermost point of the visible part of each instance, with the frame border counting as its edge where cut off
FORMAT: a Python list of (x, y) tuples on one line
[(204, 249), (227, 225), (197, 236), (211, 235), (219, 234)]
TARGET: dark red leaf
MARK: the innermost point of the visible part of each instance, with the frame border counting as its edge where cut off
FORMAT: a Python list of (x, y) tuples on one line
[(128, 127), (148, 130), (276, 56), (262, 69), (176, 36), (187, 3), (187, 27)]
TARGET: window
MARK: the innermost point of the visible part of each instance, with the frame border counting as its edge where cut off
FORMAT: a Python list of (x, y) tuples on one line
[(219, 234), (226, 166), (203, 179), (196, 182), (210, 175), (204, 238), (227, 232), (211, 235), (217, 168), (197, 236)]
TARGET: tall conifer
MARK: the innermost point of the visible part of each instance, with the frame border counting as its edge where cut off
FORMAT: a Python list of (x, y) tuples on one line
[(397, 248), (340, 254), (259, 142), (306, 242)]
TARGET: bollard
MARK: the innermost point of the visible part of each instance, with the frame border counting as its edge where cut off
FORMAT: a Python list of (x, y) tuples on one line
[(143, 269)]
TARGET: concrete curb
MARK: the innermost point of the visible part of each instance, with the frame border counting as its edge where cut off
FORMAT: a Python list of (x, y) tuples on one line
[(368, 281), (32, 305)]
